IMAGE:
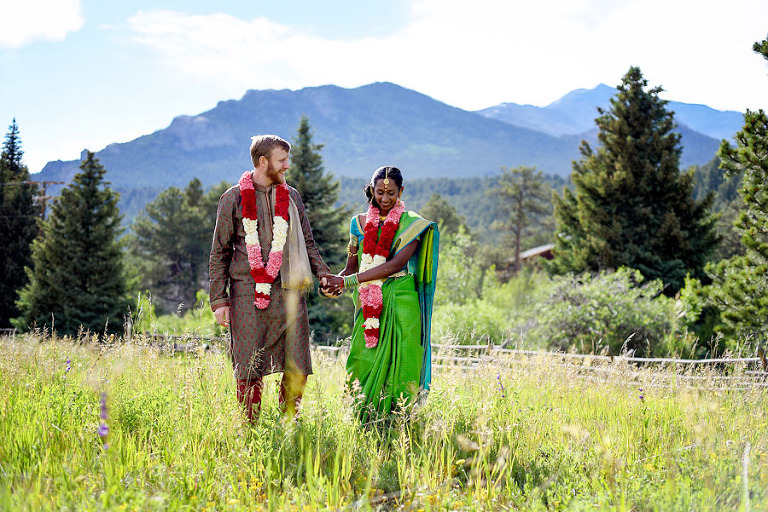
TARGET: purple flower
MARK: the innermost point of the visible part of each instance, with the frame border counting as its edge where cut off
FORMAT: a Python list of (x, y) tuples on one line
[(69, 367), (104, 405), (103, 430), (501, 386)]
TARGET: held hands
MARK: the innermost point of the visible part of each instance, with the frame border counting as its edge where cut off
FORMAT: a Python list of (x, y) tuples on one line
[(331, 285)]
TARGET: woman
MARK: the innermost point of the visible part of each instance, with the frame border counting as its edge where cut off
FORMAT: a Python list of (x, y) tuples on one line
[(391, 267)]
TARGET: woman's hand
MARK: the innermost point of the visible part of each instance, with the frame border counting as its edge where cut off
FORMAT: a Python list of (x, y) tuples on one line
[(332, 285)]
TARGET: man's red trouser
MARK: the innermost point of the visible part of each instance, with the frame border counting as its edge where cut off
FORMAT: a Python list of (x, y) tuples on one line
[(291, 391)]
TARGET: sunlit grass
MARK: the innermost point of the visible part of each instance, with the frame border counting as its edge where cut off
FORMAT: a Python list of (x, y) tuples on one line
[(518, 434)]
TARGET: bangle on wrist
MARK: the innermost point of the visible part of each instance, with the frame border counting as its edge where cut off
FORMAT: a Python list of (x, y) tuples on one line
[(351, 281)]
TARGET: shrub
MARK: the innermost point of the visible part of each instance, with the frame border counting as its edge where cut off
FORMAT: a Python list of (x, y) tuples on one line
[(606, 312), (504, 311)]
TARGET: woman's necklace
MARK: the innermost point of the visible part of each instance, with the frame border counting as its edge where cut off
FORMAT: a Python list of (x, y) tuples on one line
[(375, 252)]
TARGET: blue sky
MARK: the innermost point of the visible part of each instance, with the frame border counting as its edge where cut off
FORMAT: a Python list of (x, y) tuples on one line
[(84, 73)]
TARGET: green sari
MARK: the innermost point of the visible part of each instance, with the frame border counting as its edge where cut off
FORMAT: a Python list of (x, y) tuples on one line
[(399, 369)]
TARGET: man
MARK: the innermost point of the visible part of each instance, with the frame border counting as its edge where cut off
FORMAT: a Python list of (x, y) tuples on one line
[(262, 256)]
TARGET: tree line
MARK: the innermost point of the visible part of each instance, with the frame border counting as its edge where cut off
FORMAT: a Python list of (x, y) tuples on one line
[(701, 233)]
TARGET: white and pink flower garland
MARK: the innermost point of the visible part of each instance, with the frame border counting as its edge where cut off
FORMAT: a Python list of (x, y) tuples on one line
[(264, 276), (375, 252)]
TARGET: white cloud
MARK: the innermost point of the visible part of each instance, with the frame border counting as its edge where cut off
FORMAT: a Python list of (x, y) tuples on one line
[(477, 55), (250, 54), (27, 21)]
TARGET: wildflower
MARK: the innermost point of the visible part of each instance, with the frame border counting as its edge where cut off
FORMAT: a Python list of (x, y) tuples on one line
[(501, 386), (103, 430), (641, 394), (69, 366)]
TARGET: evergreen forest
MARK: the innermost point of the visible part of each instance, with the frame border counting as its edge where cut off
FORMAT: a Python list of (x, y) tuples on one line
[(641, 256)]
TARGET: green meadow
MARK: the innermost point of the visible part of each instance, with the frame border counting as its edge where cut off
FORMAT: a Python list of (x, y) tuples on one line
[(515, 433)]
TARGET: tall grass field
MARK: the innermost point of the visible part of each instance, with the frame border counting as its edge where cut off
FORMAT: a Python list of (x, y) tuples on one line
[(131, 426)]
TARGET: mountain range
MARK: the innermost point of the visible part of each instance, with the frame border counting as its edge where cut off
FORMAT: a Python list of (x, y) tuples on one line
[(377, 124), (574, 114)]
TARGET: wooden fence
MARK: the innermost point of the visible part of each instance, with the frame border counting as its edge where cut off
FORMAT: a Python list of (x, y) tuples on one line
[(478, 353), (730, 372), (720, 373)]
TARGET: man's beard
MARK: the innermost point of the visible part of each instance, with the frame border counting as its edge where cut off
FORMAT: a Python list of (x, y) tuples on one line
[(274, 175)]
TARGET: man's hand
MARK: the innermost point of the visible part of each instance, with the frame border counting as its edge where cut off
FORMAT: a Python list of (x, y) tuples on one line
[(334, 285), (327, 289), (222, 316)]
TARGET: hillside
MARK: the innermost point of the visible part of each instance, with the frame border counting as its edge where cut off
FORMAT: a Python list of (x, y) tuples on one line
[(361, 129)]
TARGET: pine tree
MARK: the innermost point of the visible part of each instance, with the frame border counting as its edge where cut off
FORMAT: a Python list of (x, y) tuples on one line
[(18, 224), (524, 201), (438, 209), (319, 192), (171, 242), (77, 280), (631, 206), (740, 284)]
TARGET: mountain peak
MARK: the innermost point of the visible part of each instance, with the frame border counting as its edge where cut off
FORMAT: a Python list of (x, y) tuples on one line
[(597, 96)]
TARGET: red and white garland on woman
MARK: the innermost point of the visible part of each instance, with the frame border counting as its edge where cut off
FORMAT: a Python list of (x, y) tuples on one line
[(375, 252), (264, 276)]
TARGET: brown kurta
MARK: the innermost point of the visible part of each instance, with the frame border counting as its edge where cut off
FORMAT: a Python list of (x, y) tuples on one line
[(262, 340)]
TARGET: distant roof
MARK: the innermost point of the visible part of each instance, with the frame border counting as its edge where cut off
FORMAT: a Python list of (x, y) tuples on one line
[(536, 251)]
